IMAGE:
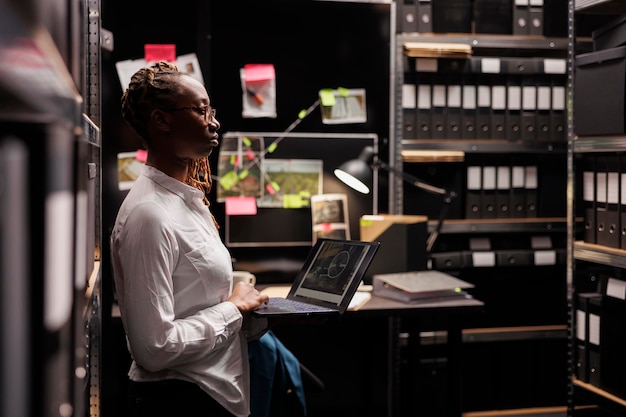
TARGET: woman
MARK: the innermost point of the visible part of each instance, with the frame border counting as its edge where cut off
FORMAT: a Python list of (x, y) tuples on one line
[(183, 319)]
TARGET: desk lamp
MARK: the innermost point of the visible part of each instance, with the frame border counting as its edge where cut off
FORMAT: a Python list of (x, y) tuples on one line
[(357, 174)]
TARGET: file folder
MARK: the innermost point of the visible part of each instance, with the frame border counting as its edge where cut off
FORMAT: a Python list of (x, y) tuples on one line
[(488, 196), (612, 337), (594, 346), (513, 110), (468, 111), (503, 191), (601, 200), (514, 258), (531, 183), (584, 310), (419, 286), (535, 17), (453, 108), (423, 121), (438, 125), (520, 17), (558, 115), (425, 16), (483, 111), (529, 110), (409, 111), (498, 110), (589, 199), (622, 205), (448, 260), (407, 15), (613, 235), (473, 191), (518, 191), (544, 107)]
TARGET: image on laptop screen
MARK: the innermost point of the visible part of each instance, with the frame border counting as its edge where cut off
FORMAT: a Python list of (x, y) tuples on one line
[(335, 267)]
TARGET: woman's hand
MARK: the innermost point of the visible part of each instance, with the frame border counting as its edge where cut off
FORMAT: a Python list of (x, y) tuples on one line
[(246, 297)]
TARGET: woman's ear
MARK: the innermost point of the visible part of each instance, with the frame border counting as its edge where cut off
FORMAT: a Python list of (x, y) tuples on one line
[(160, 120)]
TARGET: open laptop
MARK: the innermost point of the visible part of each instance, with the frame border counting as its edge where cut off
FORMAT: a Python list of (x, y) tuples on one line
[(326, 282)]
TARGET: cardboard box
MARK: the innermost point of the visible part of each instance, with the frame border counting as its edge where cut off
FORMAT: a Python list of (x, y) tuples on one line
[(599, 92), (402, 242)]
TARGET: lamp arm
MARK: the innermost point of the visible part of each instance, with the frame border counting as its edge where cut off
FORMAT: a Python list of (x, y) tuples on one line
[(447, 200), (410, 178), (448, 196)]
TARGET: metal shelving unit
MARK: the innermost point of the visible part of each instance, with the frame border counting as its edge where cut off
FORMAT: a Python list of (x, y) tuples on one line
[(582, 395)]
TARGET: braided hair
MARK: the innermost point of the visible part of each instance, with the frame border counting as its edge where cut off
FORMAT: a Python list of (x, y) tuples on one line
[(157, 86)]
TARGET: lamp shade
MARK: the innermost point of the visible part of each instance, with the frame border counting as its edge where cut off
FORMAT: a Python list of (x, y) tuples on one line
[(357, 173)]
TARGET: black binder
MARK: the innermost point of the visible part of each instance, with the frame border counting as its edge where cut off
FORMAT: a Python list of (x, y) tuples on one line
[(407, 15), (498, 108), (513, 108), (613, 231), (409, 111), (438, 124), (473, 191), (520, 17), (503, 191), (488, 196), (594, 346), (483, 109), (558, 114), (453, 107), (518, 191), (529, 109), (535, 18), (544, 107), (589, 198), (581, 325), (468, 110), (424, 104), (424, 16), (531, 185), (622, 204), (602, 215)]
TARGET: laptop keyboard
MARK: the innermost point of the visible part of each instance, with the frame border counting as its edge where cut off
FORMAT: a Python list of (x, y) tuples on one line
[(283, 304)]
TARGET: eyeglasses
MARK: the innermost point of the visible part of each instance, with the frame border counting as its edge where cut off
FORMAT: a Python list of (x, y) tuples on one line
[(205, 111)]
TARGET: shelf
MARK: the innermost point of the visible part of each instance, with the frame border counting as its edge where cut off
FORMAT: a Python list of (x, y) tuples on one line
[(482, 146), (604, 399), (523, 225), (505, 45), (590, 252), (588, 144), (35, 84), (600, 6)]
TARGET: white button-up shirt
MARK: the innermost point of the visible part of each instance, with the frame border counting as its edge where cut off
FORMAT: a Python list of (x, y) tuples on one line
[(173, 276)]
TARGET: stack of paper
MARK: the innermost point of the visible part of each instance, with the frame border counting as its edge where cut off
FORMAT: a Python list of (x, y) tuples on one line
[(437, 50)]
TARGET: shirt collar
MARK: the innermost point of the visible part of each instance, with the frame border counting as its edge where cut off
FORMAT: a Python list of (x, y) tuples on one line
[(184, 191)]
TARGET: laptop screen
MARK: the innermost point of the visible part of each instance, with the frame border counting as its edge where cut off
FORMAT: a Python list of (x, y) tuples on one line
[(333, 269)]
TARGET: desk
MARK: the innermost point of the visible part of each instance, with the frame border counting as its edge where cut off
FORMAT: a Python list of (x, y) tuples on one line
[(401, 320)]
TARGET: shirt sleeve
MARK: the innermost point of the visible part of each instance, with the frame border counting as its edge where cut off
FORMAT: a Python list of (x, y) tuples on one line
[(148, 253)]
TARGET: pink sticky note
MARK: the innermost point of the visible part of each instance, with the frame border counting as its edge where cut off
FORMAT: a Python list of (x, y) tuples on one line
[(142, 155), (237, 206), (159, 52), (259, 72), (327, 227)]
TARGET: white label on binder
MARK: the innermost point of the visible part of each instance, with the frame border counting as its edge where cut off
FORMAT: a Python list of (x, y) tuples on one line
[(616, 288), (483, 258), (545, 257)]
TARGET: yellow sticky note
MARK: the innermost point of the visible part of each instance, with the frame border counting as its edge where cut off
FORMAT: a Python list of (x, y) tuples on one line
[(292, 201), (328, 97), (228, 180)]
